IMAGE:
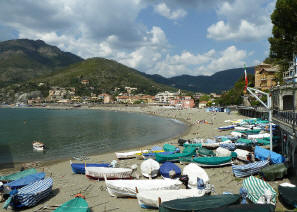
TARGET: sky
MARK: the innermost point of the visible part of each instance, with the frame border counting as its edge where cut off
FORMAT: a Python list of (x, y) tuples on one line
[(165, 37)]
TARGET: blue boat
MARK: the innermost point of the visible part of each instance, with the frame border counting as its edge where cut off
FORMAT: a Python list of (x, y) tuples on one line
[(249, 169), (17, 184), (79, 168), (229, 127), (167, 167), (30, 195)]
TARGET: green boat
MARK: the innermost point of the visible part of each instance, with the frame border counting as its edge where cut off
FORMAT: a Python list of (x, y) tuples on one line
[(203, 203), (169, 148), (275, 171), (77, 204), (212, 161), (249, 132), (244, 140), (18, 175), (187, 152), (205, 152), (196, 145)]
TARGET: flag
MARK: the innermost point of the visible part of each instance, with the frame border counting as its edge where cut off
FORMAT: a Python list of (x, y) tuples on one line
[(245, 78)]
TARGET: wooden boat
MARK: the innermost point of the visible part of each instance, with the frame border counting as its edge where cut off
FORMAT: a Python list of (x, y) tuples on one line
[(258, 189), (168, 169), (127, 188), (77, 204), (288, 195), (30, 195), (18, 175), (212, 161), (152, 199), (150, 168), (193, 171), (127, 155), (79, 168), (249, 169), (229, 127), (187, 152), (39, 146), (275, 171), (199, 203), (109, 173), (17, 184)]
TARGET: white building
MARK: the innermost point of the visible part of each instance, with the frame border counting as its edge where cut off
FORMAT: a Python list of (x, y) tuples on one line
[(165, 97)]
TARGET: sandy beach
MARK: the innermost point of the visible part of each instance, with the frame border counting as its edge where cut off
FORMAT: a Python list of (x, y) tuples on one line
[(67, 184)]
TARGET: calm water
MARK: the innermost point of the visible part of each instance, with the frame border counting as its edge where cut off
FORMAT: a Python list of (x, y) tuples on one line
[(72, 132)]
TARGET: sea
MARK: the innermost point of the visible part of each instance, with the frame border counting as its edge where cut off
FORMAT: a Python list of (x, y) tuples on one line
[(72, 132)]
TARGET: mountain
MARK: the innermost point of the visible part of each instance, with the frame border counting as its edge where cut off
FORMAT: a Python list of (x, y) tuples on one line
[(218, 82), (103, 75), (23, 59)]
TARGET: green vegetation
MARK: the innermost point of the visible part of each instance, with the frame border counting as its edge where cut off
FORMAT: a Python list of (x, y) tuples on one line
[(103, 76), (234, 95), (283, 42)]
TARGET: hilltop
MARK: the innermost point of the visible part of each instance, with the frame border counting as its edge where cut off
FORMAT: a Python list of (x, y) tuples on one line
[(23, 59)]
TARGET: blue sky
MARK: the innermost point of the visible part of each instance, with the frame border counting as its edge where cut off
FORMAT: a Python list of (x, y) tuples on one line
[(166, 37)]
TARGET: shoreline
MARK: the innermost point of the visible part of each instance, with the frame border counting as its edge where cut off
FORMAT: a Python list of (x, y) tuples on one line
[(67, 184)]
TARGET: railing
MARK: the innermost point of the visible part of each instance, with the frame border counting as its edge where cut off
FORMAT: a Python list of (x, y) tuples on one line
[(254, 113), (288, 117)]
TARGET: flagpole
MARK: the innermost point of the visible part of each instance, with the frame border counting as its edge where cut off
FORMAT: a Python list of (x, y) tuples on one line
[(268, 106)]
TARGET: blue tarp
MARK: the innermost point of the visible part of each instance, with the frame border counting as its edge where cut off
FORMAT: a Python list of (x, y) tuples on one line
[(264, 154), (167, 167), (25, 180)]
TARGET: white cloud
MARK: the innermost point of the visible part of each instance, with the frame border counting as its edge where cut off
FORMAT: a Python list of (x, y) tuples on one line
[(242, 21), (165, 11)]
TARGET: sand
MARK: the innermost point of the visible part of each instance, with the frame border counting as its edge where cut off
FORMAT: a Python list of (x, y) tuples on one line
[(67, 184)]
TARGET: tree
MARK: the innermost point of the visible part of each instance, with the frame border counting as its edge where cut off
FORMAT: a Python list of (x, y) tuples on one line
[(283, 43)]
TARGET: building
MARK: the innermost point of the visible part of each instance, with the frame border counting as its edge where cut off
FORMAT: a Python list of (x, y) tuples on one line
[(284, 103), (182, 102), (85, 82), (165, 97), (265, 76), (202, 104)]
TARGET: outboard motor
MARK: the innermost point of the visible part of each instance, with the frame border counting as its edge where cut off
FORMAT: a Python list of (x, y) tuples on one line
[(200, 183), (185, 180)]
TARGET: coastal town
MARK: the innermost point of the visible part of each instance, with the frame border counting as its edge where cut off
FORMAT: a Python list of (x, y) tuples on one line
[(169, 106)]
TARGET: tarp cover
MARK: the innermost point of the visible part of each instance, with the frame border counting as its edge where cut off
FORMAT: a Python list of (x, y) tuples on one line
[(18, 175), (244, 208), (205, 152), (256, 189), (264, 154), (25, 180), (212, 160), (199, 203), (170, 148), (167, 167), (288, 195), (275, 171), (150, 168), (187, 152), (194, 171), (75, 205)]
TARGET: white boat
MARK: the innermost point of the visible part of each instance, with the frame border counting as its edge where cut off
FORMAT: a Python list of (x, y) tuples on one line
[(215, 144), (109, 173), (127, 188), (39, 146), (243, 155), (126, 155), (150, 168), (222, 152), (261, 135), (154, 198), (194, 171)]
